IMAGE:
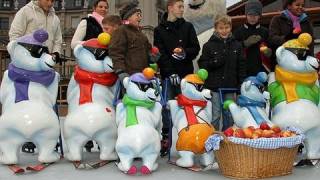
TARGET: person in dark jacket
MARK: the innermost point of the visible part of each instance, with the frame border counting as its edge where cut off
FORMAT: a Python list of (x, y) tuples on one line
[(253, 36), (223, 58), (289, 25), (129, 48), (91, 26), (178, 45)]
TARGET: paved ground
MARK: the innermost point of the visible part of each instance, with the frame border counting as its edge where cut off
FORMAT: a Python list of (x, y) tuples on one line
[(63, 170)]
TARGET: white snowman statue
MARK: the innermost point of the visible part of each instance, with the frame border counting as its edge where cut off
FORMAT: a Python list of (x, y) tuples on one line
[(295, 93), (191, 115), (28, 94), (91, 115), (139, 123), (250, 109)]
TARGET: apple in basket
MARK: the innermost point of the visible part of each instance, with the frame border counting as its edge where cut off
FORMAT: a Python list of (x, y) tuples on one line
[(248, 132), (239, 133), (229, 132), (276, 129), (264, 126), (267, 133)]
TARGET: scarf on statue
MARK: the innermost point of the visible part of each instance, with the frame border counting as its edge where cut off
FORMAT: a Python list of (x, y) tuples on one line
[(22, 78), (131, 105), (86, 80), (252, 105), (289, 80), (188, 104)]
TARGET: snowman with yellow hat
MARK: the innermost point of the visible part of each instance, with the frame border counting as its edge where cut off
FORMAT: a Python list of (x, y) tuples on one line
[(295, 93), (91, 115), (191, 114)]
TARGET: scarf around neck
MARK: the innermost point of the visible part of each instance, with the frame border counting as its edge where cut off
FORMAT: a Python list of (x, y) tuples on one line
[(188, 104), (22, 78), (86, 80), (289, 80), (252, 105), (131, 105), (97, 17)]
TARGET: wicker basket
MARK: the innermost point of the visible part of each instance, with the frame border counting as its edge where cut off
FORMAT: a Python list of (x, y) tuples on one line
[(243, 162)]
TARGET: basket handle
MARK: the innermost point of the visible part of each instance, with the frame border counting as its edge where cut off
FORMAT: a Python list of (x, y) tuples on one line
[(225, 138)]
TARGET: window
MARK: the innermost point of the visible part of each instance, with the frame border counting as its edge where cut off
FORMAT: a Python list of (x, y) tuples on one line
[(5, 3), (78, 3), (75, 20), (4, 23)]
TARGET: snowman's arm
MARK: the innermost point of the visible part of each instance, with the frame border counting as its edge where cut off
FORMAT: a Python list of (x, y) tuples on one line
[(173, 107), (208, 110), (120, 110), (271, 78), (4, 88), (53, 88), (71, 87), (157, 109)]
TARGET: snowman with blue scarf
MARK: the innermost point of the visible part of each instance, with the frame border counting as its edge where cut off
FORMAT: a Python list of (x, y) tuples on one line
[(91, 115), (139, 123), (250, 109), (28, 94), (295, 93)]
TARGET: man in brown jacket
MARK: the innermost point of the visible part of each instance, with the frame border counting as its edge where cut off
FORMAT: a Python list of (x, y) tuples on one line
[(129, 48)]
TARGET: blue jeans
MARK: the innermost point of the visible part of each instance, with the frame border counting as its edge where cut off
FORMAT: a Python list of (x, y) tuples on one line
[(222, 119), (169, 92)]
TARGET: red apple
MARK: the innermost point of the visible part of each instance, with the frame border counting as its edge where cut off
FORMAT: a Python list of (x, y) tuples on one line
[(267, 133), (154, 50), (264, 126), (239, 133), (276, 128), (229, 132), (248, 132)]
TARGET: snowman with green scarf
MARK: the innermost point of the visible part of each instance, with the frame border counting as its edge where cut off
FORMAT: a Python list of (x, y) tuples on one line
[(295, 94), (138, 118)]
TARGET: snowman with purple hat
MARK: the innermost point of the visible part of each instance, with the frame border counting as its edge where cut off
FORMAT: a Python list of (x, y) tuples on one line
[(250, 109), (28, 93), (138, 118)]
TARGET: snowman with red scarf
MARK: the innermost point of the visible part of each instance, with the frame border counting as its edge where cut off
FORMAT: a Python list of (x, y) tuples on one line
[(91, 115), (191, 116), (28, 93)]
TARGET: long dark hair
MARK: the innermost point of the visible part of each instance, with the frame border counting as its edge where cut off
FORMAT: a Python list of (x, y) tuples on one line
[(95, 4), (286, 3)]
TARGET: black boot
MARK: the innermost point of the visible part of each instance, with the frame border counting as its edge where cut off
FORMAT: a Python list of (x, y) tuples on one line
[(28, 147), (165, 145)]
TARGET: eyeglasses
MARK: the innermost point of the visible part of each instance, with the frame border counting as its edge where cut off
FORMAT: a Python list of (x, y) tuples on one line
[(300, 53), (143, 87), (199, 87), (35, 50), (99, 53)]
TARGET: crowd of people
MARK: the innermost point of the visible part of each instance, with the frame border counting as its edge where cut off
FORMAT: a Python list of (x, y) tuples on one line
[(229, 55)]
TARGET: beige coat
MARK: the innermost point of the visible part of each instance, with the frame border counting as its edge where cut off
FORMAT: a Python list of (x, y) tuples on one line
[(30, 18)]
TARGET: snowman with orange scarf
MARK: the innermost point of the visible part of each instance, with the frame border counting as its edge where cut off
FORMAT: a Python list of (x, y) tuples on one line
[(191, 114), (295, 93), (91, 115)]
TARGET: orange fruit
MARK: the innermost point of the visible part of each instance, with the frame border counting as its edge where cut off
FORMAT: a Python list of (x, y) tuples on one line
[(148, 73)]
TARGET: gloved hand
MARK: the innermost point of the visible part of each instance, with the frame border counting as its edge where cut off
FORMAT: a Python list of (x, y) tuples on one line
[(56, 58), (179, 54), (175, 79), (251, 40)]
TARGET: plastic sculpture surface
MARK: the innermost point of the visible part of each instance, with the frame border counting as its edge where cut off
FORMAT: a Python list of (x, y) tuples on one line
[(294, 90), (250, 109), (28, 94), (191, 116), (139, 123), (91, 115)]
